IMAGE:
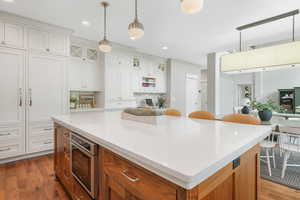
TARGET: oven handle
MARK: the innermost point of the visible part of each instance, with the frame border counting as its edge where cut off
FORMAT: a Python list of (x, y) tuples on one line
[(92, 151), (81, 149)]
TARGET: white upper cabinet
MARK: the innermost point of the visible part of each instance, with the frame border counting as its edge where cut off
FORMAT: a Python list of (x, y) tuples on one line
[(47, 43), (84, 69), (37, 40), (57, 44), (84, 53), (11, 35)]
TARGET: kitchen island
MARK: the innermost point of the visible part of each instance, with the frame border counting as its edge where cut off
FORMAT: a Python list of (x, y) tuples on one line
[(176, 159)]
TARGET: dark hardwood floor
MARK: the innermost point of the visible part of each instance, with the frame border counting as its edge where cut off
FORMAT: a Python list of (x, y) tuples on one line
[(31, 179), (34, 179)]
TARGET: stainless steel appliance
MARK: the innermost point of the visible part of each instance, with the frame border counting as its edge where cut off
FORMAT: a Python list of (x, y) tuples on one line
[(84, 156)]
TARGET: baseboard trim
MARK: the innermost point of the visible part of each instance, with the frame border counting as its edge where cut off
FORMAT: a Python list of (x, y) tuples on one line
[(27, 156)]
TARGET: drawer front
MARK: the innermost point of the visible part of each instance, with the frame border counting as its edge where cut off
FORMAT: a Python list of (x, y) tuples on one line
[(11, 150), (11, 133), (41, 129), (37, 144), (139, 182)]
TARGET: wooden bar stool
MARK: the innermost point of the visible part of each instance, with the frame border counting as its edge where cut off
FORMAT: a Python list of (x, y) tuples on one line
[(242, 119), (202, 115), (172, 112), (267, 144)]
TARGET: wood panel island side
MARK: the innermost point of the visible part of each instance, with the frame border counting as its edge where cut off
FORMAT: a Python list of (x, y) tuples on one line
[(176, 159)]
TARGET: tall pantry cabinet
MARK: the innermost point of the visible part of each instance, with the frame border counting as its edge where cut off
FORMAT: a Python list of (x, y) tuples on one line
[(33, 88)]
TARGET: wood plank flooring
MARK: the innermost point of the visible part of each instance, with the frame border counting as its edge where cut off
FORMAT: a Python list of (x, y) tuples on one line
[(34, 179), (273, 191), (31, 179)]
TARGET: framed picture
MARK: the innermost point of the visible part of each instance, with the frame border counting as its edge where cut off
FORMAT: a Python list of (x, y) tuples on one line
[(89, 99)]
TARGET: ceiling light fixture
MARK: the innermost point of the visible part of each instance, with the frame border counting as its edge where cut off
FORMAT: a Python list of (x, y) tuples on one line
[(9, 1), (164, 48), (104, 45), (85, 23), (136, 29), (191, 6)]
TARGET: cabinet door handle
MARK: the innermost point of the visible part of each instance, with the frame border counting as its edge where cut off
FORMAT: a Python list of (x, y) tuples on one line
[(3, 42), (134, 179), (49, 142), (20, 96), (30, 96), (48, 129), (7, 149), (48, 50), (5, 134)]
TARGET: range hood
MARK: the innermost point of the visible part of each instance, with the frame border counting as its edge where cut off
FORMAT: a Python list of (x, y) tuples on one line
[(261, 59)]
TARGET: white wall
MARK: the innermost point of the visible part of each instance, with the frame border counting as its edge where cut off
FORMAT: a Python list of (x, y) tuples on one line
[(266, 85), (227, 94), (279, 79), (177, 82)]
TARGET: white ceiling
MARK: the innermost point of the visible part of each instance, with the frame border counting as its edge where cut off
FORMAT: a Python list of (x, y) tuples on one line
[(189, 37)]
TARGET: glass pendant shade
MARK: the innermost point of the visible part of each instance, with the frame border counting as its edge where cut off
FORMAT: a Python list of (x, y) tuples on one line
[(105, 46), (191, 6), (136, 30)]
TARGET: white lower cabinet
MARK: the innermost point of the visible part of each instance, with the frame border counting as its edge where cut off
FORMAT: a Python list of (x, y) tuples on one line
[(40, 143), (11, 148)]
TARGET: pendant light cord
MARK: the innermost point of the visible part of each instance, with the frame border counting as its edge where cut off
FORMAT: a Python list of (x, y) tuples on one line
[(136, 15), (105, 24), (293, 36)]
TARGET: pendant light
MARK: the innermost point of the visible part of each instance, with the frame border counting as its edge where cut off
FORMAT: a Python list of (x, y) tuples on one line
[(191, 6), (104, 45), (136, 29)]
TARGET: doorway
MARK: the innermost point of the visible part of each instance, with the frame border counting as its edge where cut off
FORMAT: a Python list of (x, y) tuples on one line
[(192, 102)]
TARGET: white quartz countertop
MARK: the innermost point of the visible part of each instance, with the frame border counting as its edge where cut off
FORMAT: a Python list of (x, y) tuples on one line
[(182, 150)]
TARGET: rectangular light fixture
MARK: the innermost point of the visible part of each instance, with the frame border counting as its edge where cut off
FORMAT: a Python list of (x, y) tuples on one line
[(261, 59)]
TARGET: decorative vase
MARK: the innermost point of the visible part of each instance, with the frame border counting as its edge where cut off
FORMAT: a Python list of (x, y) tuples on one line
[(245, 110), (265, 115)]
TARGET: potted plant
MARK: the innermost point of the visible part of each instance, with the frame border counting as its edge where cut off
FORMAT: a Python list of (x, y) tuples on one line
[(161, 100), (73, 102), (265, 109)]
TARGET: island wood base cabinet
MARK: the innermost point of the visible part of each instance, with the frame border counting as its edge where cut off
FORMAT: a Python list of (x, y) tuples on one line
[(120, 179)]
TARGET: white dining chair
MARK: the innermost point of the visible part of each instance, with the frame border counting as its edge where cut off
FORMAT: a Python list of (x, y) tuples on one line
[(289, 143), (269, 146)]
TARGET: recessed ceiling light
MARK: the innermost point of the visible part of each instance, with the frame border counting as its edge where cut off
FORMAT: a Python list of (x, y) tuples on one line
[(164, 48), (85, 23), (9, 1)]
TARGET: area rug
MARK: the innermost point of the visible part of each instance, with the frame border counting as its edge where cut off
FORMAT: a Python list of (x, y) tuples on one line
[(292, 174)]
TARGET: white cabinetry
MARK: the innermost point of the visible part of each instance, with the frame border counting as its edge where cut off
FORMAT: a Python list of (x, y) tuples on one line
[(11, 35), (153, 75), (84, 69), (46, 94), (119, 75), (43, 42), (32, 84), (12, 104)]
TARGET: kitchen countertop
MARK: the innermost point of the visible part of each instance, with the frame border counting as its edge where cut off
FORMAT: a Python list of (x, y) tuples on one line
[(182, 150)]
